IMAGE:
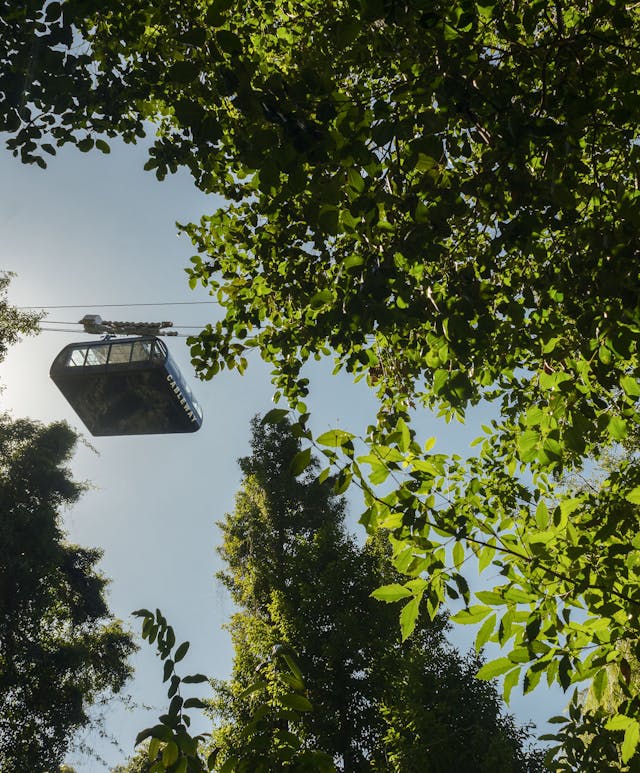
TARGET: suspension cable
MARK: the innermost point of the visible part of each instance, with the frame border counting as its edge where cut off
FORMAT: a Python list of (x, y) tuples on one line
[(121, 305)]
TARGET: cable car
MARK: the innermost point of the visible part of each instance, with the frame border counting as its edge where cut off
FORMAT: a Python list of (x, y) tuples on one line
[(127, 386)]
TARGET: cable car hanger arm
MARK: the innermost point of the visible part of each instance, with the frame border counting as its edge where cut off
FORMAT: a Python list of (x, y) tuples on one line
[(95, 325)]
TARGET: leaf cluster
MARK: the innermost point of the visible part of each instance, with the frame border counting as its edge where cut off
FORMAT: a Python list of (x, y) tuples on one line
[(170, 745)]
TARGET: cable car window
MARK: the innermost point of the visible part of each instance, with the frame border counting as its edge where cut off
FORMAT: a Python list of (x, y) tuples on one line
[(77, 357), (141, 351), (159, 350), (97, 355), (120, 353)]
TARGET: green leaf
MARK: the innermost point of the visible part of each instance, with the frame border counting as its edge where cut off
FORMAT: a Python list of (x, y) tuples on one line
[(528, 442), (173, 687), (292, 681), (486, 629), (599, 683), (296, 702), (542, 515), (630, 386), (541, 537), (379, 473), (143, 735), (558, 719), (474, 614), (275, 416), (170, 754), (170, 638), (617, 428), (519, 655), (510, 681), (154, 748), (355, 180), (343, 481), (195, 679), (334, 438), (181, 651), (619, 722), (633, 496), (390, 593), (517, 594), (490, 597), (485, 557), (85, 144), (196, 36), (352, 261), (261, 684), (458, 554), (408, 617), (288, 738), (168, 669), (53, 11), (174, 708), (531, 679), (430, 443), (321, 299), (630, 742), (292, 665), (194, 703), (300, 462), (161, 732), (532, 628), (494, 668), (568, 506)]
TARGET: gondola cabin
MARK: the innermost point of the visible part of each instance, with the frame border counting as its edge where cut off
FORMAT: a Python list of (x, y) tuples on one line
[(127, 386)]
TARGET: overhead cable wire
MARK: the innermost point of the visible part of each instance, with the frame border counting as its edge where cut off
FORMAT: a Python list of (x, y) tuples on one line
[(121, 305), (61, 330)]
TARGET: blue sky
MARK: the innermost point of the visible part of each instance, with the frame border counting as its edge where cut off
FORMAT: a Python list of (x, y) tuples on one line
[(94, 230)]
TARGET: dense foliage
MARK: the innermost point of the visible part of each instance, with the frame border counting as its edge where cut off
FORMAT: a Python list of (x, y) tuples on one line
[(13, 323), (444, 197), (60, 648), (299, 580)]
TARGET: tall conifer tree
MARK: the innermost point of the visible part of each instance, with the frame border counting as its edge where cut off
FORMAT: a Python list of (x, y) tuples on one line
[(61, 650), (298, 578)]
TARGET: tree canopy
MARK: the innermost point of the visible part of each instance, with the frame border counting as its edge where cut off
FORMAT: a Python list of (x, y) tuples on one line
[(444, 198), (60, 648), (14, 323)]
